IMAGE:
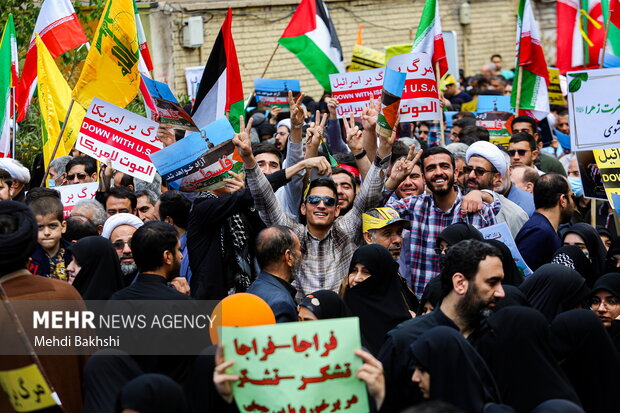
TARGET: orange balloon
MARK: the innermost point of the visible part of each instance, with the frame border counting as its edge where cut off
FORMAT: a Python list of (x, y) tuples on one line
[(240, 310)]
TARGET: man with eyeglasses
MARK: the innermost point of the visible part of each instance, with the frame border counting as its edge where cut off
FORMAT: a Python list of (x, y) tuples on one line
[(119, 229), (486, 170), (328, 240), (81, 169)]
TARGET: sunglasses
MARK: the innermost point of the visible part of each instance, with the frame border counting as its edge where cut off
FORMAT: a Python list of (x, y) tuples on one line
[(521, 152), (328, 201), (80, 176), (478, 171), (120, 245)]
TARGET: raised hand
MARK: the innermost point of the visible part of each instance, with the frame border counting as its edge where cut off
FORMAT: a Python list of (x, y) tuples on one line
[(320, 163), (166, 135), (242, 141), (314, 134), (370, 114), (297, 111), (234, 184), (353, 135), (332, 104), (222, 380)]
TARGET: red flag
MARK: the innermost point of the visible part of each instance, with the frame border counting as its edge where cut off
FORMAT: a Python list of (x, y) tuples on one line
[(59, 28)]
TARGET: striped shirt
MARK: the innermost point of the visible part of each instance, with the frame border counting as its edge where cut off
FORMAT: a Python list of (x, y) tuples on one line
[(325, 261), (427, 222)]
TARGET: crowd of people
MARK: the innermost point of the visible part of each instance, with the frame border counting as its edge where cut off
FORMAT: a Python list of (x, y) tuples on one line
[(331, 220)]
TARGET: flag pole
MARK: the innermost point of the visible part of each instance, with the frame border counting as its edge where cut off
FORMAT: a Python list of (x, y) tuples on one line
[(605, 40), (247, 102), (442, 139), (519, 80), (62, 131), (13, 143)]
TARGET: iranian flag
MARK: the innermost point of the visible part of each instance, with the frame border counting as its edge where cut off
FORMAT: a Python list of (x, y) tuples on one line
[(429, 39), (59, 28), (8, 80), (311, 36), (532, 75), (145, 64), (580, 34), (220, 91)]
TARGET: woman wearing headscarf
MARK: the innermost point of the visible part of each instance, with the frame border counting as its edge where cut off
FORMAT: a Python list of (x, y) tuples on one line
[(613, 255), (605, 236), (588, 358), (322, 305), (431, 297), (95, 268), (152, 393), (448, 368), (515, 344), (555, 288), (375, 294), (455, 233), (585, 237), (605, 302), (572, 256), (512, 275)]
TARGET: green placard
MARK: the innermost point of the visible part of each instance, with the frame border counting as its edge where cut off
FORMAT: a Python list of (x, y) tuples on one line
[(307, 366)]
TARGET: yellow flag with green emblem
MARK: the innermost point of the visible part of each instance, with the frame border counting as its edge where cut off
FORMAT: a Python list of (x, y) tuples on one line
[(111, 68), (54, 100)]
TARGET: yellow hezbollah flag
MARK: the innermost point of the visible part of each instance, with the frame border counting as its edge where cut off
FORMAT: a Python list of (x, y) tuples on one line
[(54, 100), (111, 68)]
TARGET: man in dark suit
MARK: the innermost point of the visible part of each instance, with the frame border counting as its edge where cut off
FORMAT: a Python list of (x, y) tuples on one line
[(278, 252)]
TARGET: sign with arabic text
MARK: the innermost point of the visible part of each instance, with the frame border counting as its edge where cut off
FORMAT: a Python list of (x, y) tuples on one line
[(72, 194), (127, 139), (590, 175), (555, 90), (420, 99), (354, 89), (297, 367), (501, 232), (274, 92), (27, 390), (201, 160), (594, 108), (608, 162), (495, 123), (366, 58), (168, 110)]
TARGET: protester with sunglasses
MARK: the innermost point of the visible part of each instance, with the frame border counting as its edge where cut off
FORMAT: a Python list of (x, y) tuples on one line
[(327, 240), (486, 170), (119, 229), (81, 169)]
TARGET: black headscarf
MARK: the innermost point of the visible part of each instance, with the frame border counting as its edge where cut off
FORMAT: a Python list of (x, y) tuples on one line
[(458, 375), (512, 275), (588, 358), (614, 249), (379, 301), (512, 296), (554, 288), (17, 245), (153, 393), (459, 231), (611, 282), (571, 256), (100, 275), (595, 247), (432, 294), (325, 304), (516, 346), (558, 406)]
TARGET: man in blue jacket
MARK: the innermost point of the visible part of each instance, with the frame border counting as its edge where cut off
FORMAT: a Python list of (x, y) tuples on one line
[(278, 252)]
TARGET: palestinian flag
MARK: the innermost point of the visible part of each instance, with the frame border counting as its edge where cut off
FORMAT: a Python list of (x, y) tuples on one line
[(531, 66), (220, 91), (429, 39), (311, 36)]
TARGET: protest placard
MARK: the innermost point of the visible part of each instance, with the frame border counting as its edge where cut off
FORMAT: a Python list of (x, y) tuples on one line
[(594, 108), (501, 232), (393, 84), (193, 75), (297, 367), (496, 123), (200, 161), (396, 49), (554, 89), (112, 133), (71, 194), (590, 176), (365, 58), (168, 110), (420, 98), (274, 92), (27, 389), (608, 162), (354, 89), (493, 103)]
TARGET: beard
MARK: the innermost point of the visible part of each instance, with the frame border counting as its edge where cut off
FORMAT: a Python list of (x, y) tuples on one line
[(471, 309), (295, 270), (128, 268), (566, 215), (441, 191)]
